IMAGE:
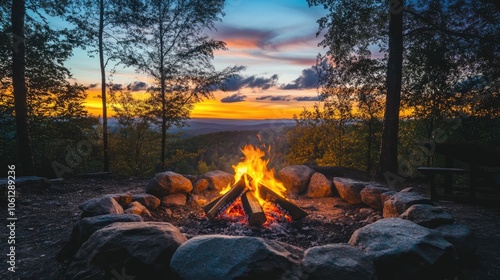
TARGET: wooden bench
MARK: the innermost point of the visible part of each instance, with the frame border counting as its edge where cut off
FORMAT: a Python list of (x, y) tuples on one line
[(431, 172)]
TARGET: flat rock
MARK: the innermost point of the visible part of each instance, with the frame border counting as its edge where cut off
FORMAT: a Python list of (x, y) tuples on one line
[(463, 239), (399, 202), (86, 227), (319, 186), (219, 179), (100, 206), (28, 183), (371, 196), (349, 189), (215, 257), (402, 249), (338, 261), (136, 208), (201, 185), (123, 199), (176, 199), (139, 250), (427, 215), (295, 178), (148, 200), (168, 182), (386, 195)]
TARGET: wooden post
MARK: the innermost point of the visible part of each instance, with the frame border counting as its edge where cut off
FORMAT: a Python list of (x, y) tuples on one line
[(289, 207), (253, 210), (227, 199)]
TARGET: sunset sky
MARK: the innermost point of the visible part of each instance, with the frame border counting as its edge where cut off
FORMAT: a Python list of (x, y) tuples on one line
[(274, 39)]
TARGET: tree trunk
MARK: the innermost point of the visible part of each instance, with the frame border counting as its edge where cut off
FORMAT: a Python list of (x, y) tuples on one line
[(27, 166), (388, 165), (103, 89), (163, 89)]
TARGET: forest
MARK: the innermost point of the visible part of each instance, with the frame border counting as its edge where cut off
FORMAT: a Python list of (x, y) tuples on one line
[(433, 78)]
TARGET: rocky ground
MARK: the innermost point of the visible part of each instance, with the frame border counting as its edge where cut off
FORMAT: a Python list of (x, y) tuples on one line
[(46, 218)]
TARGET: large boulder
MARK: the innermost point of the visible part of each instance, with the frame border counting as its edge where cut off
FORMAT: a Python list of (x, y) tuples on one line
[(371, 196), (338, 261), (219, 179), (463, 239), (86, 227), (295, 178), (168, 182), (140, 250), (399, 202), (349, 189), (319, 186), (427, 215), (214, 257), (100, 206), (149, 201), (402, 249)]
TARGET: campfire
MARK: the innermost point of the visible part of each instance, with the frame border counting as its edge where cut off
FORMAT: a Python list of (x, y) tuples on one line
[(257, 196)]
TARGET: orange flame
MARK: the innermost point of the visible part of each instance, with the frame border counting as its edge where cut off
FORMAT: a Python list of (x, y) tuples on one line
[(256, 167)]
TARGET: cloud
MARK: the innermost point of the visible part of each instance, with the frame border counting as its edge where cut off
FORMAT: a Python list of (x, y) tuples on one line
[(93, 85), (308, 79), (233, 98), (137, 86), (274, 98), (307, 98), (238, 82), (117, 86)]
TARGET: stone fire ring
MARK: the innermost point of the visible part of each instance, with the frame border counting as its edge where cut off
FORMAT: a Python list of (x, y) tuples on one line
[(415, 240)]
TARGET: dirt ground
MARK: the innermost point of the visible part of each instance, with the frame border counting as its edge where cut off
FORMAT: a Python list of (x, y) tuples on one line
[(46, 218)]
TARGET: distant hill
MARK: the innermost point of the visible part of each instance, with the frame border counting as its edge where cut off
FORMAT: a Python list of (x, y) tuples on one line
[(205, 126)]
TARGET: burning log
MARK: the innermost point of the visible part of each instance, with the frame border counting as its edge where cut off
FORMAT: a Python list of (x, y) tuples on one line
[(287, 206), (211, 204), (227, 199), (253, 210)]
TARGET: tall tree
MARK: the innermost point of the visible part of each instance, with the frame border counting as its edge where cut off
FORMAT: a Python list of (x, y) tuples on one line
[(20, 92), (172, 47), (51, 97), (101, 24), (389, 148), (355, 29)]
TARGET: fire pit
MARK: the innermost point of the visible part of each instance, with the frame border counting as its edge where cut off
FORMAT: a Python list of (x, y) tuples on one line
[(257, 195)]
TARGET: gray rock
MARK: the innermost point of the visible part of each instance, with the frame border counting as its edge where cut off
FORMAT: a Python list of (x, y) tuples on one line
[(100, 206), (398, 203), (402, 249), (219, 179), (427, 215), (136, 208), (349, 189), (338, 261), (201, 185), (168, 182), (176, 199), (86, 227), (295, 178), (319, 186), (462, 238), (140, 250), (371, 196), (123, 199), (148, 200), (215, 257)]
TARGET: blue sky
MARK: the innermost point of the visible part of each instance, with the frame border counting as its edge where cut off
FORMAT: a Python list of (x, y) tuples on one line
[(275, 40)]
